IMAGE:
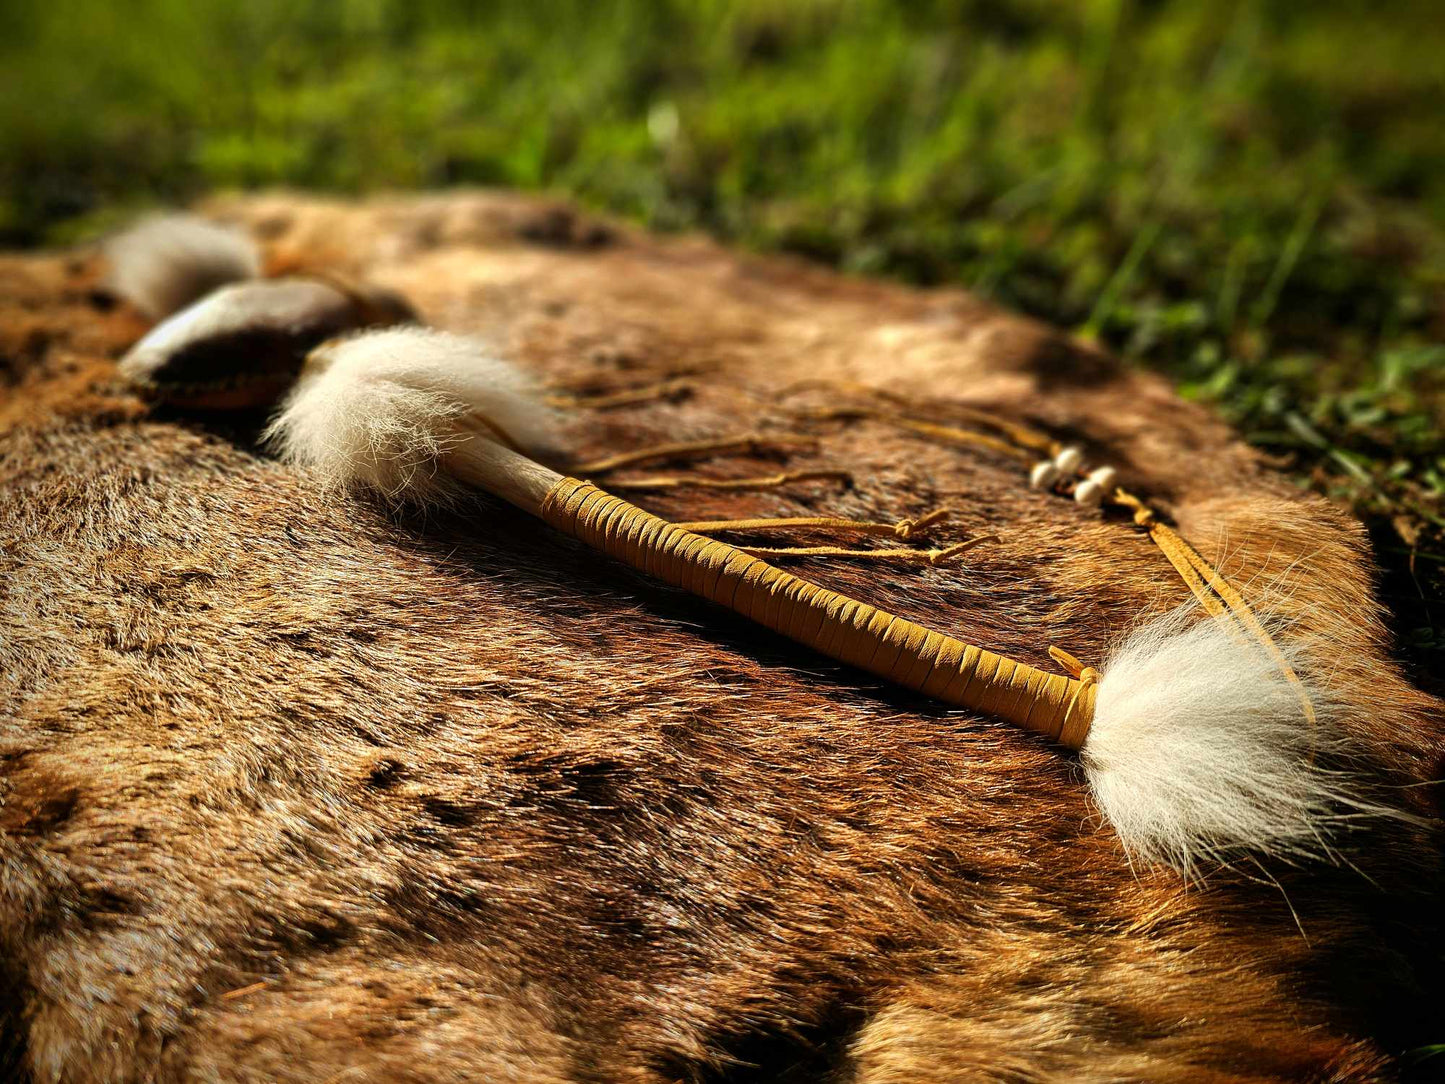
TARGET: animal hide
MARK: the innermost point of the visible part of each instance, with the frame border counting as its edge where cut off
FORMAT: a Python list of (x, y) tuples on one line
[(297, 788)]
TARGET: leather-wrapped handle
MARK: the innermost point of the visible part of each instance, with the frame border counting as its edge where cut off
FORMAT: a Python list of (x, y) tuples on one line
[(894, 648)]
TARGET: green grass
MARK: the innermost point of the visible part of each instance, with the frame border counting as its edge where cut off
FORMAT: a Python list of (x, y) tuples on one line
[(1248, 197)]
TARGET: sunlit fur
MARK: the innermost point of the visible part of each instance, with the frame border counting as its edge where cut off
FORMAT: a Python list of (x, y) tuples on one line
[(379, 409), (164, 263), (1201, 748)]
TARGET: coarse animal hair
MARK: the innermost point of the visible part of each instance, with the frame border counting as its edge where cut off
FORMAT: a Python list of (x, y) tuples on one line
[(378, 409), (164, 262), (298, 787), (1202, 750)]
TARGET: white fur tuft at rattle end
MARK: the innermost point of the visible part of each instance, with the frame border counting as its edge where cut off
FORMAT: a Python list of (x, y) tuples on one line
[(1201, 750)]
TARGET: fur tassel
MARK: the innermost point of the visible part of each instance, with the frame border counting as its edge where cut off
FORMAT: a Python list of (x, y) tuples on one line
[(1200, 750), (164, 263), (379, 409)]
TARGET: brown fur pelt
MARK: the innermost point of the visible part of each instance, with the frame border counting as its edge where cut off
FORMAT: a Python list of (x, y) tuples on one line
[(293, 788)]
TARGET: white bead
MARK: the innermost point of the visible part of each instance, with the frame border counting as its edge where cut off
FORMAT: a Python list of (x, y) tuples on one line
[(1069, 459), (1106, 477), (1089, 492), (1043, 475)]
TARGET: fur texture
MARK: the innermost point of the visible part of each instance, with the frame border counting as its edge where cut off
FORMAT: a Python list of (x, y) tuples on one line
[(296, 789), (1201, 749), (379, 409), (164, 263)]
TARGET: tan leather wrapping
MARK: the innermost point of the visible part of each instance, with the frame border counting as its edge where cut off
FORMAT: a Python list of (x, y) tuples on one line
[(843, 628)]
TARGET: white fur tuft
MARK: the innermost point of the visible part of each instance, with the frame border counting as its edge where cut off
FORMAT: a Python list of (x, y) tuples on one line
[(1200, 750), (165, 262), (379, 409)]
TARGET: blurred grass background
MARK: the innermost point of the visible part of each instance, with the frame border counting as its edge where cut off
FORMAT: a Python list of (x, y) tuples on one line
[(1248, 197)]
